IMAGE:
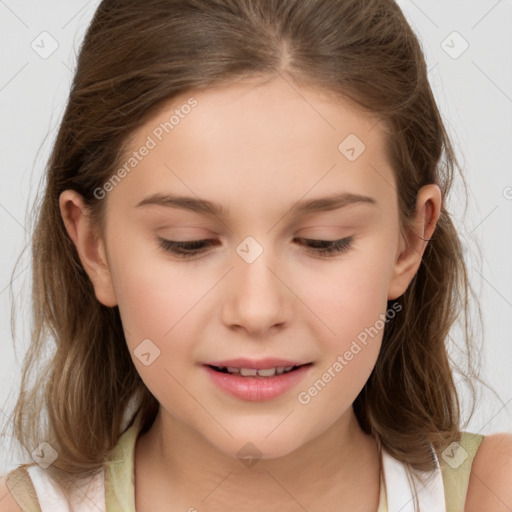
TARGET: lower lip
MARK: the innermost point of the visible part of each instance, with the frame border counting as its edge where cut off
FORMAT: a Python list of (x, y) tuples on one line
[(257, 389)]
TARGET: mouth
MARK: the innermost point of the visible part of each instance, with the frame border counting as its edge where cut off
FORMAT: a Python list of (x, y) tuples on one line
[(261, 373), (256, 384)]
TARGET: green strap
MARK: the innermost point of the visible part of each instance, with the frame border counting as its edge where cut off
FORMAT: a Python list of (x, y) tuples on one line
[(455, 465), (119, 472)]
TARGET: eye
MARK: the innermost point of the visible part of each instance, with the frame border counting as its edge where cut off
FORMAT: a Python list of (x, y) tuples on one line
[(328, 247), (194, 247), (185, 249)]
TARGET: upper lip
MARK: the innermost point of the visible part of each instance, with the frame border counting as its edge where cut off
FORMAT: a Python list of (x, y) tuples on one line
[(256, 364)]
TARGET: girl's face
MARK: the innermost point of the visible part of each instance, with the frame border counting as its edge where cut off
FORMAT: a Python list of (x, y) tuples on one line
[(268, 171)]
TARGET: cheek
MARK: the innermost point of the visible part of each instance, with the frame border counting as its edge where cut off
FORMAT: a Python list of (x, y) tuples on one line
[(155, 300), (159, 300), (348, 295), (152, 292), (350, 299), (351, 302)]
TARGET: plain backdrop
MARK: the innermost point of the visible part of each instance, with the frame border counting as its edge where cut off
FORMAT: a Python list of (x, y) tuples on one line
[(468, 47)]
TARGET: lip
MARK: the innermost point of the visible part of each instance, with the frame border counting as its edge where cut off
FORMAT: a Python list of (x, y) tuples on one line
[(256, 364), (257, 389)]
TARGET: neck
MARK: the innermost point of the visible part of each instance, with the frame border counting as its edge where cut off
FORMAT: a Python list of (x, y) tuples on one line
[(341, 463)]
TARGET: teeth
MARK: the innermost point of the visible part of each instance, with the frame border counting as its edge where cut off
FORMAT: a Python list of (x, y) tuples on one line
[(248, 372), (252, 372), (267, 373)]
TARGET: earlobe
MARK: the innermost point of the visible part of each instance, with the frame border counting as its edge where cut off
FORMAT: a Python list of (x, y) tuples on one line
[(414, 240), (89, 245)]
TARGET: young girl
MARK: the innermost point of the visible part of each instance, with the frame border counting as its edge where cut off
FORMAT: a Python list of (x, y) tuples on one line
[(246, 262)]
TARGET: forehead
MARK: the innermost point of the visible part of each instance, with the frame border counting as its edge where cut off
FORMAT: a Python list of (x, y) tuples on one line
[(271, 141)]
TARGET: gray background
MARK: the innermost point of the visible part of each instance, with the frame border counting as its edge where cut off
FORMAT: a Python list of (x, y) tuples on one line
[(474, 92)]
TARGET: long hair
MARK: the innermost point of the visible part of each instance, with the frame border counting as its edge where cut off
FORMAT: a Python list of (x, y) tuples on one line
[(138, 55)]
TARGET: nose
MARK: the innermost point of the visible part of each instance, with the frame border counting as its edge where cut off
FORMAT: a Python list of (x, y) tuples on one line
[(257, 299)]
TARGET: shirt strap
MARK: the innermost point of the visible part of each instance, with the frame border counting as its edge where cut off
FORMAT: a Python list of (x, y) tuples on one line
[(405, 486), (89, 496)]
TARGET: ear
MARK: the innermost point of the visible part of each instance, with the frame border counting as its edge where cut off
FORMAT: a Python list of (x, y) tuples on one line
[(414, 240), (89, 245)]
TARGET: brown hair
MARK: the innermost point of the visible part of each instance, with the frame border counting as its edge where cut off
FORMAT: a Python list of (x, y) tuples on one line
[(137, 55)]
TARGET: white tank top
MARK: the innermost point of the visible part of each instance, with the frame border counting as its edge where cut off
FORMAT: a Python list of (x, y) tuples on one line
[(401, 485)]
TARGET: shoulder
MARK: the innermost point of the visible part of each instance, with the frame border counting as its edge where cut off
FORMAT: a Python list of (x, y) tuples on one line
[(7, 501), (490, 482)]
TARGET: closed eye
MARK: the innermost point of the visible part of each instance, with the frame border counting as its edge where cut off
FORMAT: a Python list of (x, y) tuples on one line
[(328, 247), (195, 247)]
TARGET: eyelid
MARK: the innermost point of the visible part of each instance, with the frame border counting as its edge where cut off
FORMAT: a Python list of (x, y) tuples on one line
[(185, 249)]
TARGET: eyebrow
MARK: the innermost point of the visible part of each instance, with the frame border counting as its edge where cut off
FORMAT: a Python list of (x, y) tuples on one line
[(195, 204)]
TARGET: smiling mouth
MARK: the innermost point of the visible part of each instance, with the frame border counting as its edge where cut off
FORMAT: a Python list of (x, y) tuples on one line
[(257, 373)]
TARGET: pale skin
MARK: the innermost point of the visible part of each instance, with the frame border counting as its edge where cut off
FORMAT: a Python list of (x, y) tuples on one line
[(256, 150)]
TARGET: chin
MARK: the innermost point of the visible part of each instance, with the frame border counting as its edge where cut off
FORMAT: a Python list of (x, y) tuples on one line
[(259, 446)]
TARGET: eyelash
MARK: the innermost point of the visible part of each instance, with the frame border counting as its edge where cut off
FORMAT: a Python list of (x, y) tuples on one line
[(195, 247)]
